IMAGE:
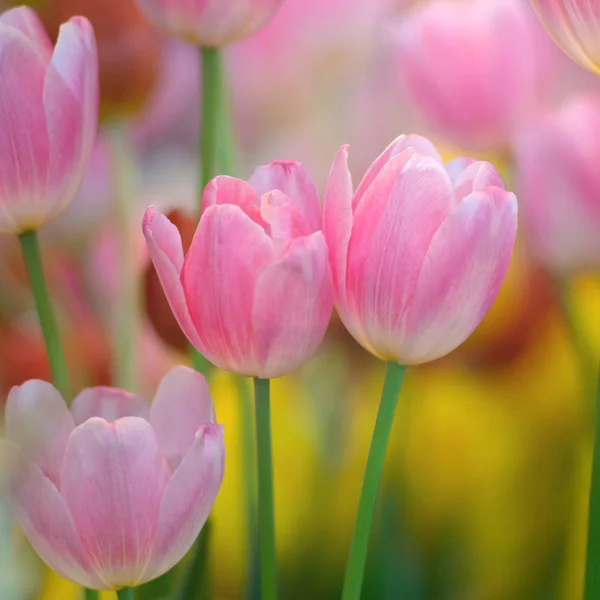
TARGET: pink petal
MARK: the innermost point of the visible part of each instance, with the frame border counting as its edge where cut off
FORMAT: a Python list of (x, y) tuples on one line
[(188, 500), (231, 190), (337, 222), (285, 222), (393, 228), (166, 251), (181, 405), (227, 255), (400, 144), (114, 477), (476, 177), (24, 149), (38, 420), (289, 177), (461, 276), (292, 307), (71, 92), (46, 520), (109, 404), (28, 23)]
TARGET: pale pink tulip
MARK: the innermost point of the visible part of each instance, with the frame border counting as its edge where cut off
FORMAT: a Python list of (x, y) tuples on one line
[(557, 159), (419, 251), (113, 492), (574, 25), (472, 68), (209, 23), (48, 117), (254, 292)]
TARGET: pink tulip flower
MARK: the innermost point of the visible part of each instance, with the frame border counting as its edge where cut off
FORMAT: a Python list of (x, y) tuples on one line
[(557, 159), (48, 117), (574, 25), (113, 492), (209, 23), (472, 68), (254, 292), (419, 251)]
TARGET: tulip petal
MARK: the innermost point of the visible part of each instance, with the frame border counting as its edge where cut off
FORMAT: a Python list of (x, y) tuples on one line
[(71, 107), (227, 255), (231, 190), (24, 147), (181, 405), (300, 282), (109, 404), (45, 519), (285, 222), (400, 144), (476, 177), (393, 228), (28, 23), (188, 500), (290, 177), (38, 420), (166, 251), (114, 477), (462, 274), (337, 222)]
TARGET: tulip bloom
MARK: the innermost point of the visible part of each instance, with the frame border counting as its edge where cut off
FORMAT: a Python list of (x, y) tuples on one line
[(114, 492), (557, 160), (472, 68), (419, 251), (253, 294), (574, 25), (209, 23), (48, 117)]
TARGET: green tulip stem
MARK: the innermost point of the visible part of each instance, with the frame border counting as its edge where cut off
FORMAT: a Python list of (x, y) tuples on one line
[(355, 568)]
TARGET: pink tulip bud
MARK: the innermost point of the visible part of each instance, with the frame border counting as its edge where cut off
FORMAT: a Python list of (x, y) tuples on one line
[(113, 492), (471, 68), (574, 25), (209, 23), (557, 160), (419, 251), (48, 117), (254, 292)]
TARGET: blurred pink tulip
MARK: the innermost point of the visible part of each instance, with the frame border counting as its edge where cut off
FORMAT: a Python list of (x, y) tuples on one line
[(114, 492), (574, 25), (254, 292), (557, 160), (48, 117), (472, 68), (209, 22), (419, 251)]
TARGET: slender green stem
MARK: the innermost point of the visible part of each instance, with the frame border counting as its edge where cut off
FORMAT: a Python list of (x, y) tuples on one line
[(91, 594), (357, 559), (266, 511), (56, 356), (125, 318), (592, 568), (125, 594), (212, 93), (248, 443)]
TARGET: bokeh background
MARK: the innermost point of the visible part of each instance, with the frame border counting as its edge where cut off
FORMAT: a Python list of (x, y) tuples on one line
[(487, 473)]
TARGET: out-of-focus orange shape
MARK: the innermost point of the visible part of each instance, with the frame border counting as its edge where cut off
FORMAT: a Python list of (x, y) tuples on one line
[(128, 48), (157, 307)]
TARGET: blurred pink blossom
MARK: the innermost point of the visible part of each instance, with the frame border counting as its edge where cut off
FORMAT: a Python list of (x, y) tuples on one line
[(48, 117), (557, 158)]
